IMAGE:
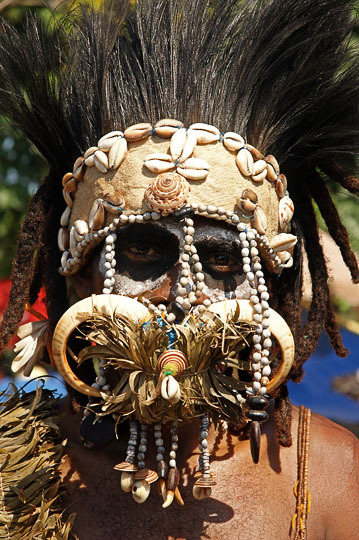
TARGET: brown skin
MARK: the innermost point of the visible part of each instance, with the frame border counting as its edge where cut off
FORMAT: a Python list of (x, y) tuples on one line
[(250, 501)]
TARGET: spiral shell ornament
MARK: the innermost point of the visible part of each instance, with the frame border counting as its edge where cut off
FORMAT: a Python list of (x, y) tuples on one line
[(167, 193), (172, 362)]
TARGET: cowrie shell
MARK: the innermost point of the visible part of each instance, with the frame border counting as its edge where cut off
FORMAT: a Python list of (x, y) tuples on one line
[(78, 170), (249, 194), (159, 162), (64, 258), (117, 153), (73, 241), (166, 127), (281, 185), (283, 242), (137, 132), (272, 160), (271, 174), (67, 197), (90, 152), (194, 169), (63, 239), (244, 161), (233, 141), (200, 492), (257, 155), (259, 177), (206, 133), (107, 140), (285, 258), (65, 217), (70, 185), (259, 221), (170, 389), (81, 227), (286, 211), (114, 203), (96, 215), (127, 481), (246, 206), (182, 144), (101, 161), (259, 167)]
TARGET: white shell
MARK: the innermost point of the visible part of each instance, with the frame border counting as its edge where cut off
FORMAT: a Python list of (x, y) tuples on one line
[(259, 177), (64, 258), (159, 162), (183, 143), (244, 161), (194, 169), (271, 174), (73, 241), (127, 481), (112, 136), (259, 220), (62, 239), (90, 160), (90, 151), (67, 198), (259, 167), (101, 161), (117, 153), (233, 141), (286, 211), (107, 304), (283, 242), (285, 258), (277, 326), (170, 389), (206, 133), (166, 127), (65, 217), (78, 168), (140, 491), (96, 215), (81, 226)]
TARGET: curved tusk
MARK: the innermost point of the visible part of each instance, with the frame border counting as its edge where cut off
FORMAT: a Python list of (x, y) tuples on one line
[(169, 498), (178, 497), (162, 488), (106, 304), (278, 327)]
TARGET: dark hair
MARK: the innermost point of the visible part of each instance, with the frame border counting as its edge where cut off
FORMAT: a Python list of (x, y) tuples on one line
[(281, 73)]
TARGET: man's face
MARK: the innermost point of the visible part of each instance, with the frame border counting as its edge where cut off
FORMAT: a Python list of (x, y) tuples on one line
[(147, 261)]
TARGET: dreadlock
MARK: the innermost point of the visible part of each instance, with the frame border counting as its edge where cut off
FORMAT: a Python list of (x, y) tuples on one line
[(280, 72)]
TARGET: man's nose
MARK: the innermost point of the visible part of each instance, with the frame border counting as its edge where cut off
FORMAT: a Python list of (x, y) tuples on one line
[(167, 292)]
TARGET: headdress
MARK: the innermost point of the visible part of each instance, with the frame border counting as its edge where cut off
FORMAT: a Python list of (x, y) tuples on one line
[(168, 109)]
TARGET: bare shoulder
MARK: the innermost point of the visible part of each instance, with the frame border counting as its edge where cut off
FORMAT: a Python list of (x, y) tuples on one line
[(334, 477)]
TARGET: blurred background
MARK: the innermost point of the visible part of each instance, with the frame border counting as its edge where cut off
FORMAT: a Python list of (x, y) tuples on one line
[(330, 386)]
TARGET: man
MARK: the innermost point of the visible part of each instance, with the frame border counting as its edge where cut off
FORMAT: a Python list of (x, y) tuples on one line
[(173, 326)]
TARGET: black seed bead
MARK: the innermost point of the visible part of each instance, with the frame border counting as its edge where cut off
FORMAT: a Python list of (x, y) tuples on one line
[(183, 213), (177, 310), (259, 416), (257, 402)]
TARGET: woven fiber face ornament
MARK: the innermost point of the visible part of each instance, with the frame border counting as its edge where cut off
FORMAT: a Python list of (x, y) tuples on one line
[(201, 355)]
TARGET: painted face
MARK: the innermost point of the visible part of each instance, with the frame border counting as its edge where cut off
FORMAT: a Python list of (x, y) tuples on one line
[(148, 261)]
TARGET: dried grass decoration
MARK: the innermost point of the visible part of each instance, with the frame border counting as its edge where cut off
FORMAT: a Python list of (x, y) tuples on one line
[(213, 380), (30, 453)]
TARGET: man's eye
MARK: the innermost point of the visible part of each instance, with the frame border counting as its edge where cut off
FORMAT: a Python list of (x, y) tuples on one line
[(221, 263), (142, 253)]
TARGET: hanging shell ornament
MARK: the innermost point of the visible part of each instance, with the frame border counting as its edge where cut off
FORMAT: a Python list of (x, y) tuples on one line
[(194, 169), (172, 362), (167, 193), (140, 491), (170, 389), (148, 475), (183, 143), (128, 471)]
